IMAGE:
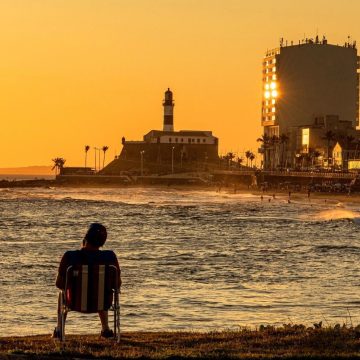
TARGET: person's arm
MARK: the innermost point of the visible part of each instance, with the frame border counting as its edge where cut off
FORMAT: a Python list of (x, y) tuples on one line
[(116, 263), (61, 276)]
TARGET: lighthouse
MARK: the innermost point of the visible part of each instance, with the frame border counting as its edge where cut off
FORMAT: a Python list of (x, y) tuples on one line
[(168, 111)]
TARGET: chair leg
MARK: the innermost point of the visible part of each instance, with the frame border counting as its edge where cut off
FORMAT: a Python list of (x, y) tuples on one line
[(117, 316), (62, 314)]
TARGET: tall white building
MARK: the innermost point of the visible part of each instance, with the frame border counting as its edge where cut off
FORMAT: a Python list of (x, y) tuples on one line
[(304, 83)]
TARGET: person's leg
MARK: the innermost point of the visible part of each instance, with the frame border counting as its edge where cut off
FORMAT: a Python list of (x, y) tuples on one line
[(104, 318), (106, 332)]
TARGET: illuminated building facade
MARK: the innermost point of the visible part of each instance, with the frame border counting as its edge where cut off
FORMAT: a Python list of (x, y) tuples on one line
[(305, 85)]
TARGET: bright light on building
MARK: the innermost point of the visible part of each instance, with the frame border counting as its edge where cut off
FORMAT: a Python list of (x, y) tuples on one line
[(273, 85), (305, 137), (267, 94), (267, 86), (274, 93)]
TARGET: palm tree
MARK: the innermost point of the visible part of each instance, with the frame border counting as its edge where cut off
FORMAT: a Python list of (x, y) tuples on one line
[(229, 156), (251, 157), (329, 137), (239, 161), (349, 140), (104, 149), (357, 148), (247, 154), (265, 140), (58, 165), (274, 141), (313, 154), (283, 139), (87, 148)]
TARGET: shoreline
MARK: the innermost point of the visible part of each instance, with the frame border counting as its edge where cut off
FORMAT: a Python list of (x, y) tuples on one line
[(266, 342), (296, 196)]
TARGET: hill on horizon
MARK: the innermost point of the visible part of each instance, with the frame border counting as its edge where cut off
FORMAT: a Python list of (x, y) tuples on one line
[(27, 170)]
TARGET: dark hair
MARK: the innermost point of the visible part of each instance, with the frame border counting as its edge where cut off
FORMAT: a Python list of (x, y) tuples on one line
[(96, 235)]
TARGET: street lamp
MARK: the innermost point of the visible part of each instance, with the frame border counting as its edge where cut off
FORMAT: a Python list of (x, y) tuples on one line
[(172, 159), (95, 148), (142, 162)]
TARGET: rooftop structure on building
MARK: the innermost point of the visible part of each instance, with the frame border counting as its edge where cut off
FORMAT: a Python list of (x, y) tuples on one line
[(308, 86)]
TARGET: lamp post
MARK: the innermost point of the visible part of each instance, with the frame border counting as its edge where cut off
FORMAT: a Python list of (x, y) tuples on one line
[(142, 162), (172, 159), (95, 148)]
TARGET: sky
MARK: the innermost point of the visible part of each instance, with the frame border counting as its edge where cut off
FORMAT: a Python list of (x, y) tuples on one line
[(88, 72)]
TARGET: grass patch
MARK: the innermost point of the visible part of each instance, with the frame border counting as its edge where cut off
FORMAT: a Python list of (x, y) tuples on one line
[(267, 342)]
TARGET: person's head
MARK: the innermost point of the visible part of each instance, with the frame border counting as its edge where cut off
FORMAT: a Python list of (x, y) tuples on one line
[(96, 235)]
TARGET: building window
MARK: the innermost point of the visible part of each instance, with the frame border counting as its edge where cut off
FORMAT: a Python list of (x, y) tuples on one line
[(176, 139), (273, 109), (274, 77), (198, 140), (182, 140), (193, 140), (189, 140), (273, 101), (305, 137), (204, 140), (169, 139), (273, 117)]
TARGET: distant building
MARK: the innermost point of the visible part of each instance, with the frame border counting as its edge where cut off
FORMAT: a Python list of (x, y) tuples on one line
[(309, 88), (160, 147), (346, 153)]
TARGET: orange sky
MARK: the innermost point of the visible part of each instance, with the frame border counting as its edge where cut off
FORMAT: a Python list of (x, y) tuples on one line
[(77, 72)]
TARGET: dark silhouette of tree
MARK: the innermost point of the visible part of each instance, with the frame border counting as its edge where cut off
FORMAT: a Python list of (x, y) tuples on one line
[(349, 139), (87, 148), (265, 140), (274, 141), (313, 155), (58, 165), (229, 157), (329, 137), (247, 155), (252, 158), (239, 161), (283, 139), (104, 149)]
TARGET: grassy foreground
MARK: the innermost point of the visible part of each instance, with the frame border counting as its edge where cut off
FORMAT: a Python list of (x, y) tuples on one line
[(289, 341)]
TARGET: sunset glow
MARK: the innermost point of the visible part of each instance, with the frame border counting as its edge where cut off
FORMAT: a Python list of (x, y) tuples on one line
[(89, 72)]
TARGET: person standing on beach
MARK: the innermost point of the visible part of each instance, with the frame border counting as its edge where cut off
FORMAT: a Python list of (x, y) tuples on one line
[(94, 239)]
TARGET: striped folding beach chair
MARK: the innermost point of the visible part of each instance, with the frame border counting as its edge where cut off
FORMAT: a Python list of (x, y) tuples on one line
[(89, 289)]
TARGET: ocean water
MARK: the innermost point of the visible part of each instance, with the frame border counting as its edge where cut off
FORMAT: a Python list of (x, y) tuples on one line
[(191, 260), (17, 177)]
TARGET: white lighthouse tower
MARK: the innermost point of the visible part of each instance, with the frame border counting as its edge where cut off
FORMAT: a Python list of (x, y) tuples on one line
[(168, 111)]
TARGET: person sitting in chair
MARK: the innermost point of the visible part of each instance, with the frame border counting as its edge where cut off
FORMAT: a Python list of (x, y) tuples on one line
[(91, 255)]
